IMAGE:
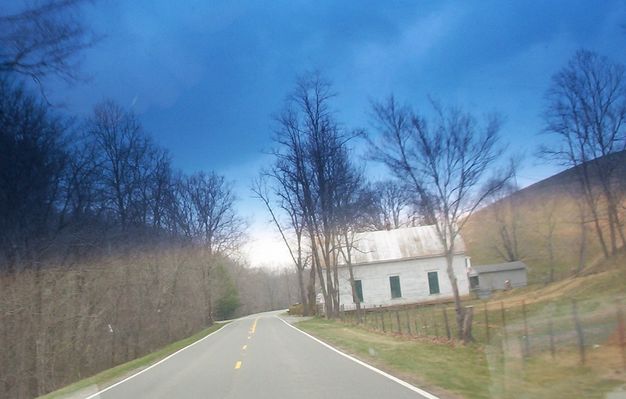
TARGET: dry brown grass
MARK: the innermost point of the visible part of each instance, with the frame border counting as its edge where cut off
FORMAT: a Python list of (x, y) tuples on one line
[(555, 198)]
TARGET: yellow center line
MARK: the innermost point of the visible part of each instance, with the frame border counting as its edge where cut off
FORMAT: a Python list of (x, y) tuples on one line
[(253, 329), (238, 365), (245, 347)]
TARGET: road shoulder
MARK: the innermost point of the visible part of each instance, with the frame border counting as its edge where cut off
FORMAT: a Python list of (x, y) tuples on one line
[(106, 379), (372, 364)]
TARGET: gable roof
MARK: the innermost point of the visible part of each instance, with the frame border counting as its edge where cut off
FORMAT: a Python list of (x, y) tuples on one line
[(499, 267), (399, 244)]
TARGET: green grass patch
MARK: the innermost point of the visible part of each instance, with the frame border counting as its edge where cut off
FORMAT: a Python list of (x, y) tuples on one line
[(108, 377), (474, 371)]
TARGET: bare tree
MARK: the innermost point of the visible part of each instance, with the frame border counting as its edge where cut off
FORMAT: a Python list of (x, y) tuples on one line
[(391, 204), (215, 222), (310, 154), (582, 244), (123, 153), (32, 164), (33, 159), (507, 223), (209, 204), (43, 38), (284, 191), (352, 203), (446, 164), (586, 111)]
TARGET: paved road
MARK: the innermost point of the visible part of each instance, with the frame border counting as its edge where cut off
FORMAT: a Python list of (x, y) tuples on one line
[(258, 357)]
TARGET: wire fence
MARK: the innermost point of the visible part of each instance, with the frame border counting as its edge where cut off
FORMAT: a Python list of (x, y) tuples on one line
[(560, 328)]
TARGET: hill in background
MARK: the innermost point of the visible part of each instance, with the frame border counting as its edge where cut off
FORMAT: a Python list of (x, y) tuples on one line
[(541, 224)]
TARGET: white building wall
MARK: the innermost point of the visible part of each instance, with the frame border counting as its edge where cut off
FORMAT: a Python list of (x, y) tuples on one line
[(413, 275), (496, 280)]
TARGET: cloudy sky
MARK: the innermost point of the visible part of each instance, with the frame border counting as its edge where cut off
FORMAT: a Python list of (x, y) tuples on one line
[(206, 76)]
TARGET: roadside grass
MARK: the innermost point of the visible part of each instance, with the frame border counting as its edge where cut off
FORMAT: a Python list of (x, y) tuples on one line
[(112, 375), (473, 371)]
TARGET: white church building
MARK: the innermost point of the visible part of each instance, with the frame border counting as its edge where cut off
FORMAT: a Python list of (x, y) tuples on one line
[(401, 266)]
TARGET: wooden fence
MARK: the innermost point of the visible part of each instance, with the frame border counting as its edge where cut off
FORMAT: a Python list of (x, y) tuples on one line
[(524, 328)]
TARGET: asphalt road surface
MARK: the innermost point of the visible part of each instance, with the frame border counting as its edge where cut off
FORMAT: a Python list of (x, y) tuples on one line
[(259, 357)]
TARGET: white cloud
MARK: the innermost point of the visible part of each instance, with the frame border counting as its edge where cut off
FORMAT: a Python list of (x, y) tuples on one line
[(265, 247)]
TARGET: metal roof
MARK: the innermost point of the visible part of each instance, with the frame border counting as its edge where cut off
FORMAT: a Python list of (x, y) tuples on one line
[(499, 267), (399, 244)]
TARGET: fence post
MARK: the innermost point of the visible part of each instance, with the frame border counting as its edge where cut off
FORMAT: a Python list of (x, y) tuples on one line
[(579, 331), (551, 332), (382, 320), (526, 337), (418, 330), (621, 333), (399, 327), (445, 320), (486, 322), (408, 322), (434, 313), (467, 324), (503, 315)]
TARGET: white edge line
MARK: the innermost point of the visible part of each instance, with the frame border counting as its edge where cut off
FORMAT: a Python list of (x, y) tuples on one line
[(405, 384), (94, 395)]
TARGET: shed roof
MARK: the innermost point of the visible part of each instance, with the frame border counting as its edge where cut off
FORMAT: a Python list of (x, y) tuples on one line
[(399, 244), (499, 267)]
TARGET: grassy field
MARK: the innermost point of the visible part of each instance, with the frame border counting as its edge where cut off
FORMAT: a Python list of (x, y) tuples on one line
[(474, 371), (549, 313), (517, 360), (121, 371)]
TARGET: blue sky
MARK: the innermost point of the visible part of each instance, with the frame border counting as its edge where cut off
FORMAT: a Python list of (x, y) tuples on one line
[(206, 76)]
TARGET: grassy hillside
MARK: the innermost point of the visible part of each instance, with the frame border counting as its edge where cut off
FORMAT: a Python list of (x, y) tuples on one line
[(549, 208)]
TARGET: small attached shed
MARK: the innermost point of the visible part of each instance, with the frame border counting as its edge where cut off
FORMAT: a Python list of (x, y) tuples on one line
[(495, 276)]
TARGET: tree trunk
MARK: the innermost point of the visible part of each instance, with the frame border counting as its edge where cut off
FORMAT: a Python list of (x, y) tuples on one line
[(551, 258), (460, 312), (336, 288), (596, 221), (311, 291), (617, 222), (612, 232), (303, 298), (317, 265), (582, 253), (36, 343), (207, 294), (330, 304), (355, 297), (467, 325)]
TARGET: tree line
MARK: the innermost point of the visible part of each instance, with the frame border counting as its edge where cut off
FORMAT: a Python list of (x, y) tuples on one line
[(106, 251)]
